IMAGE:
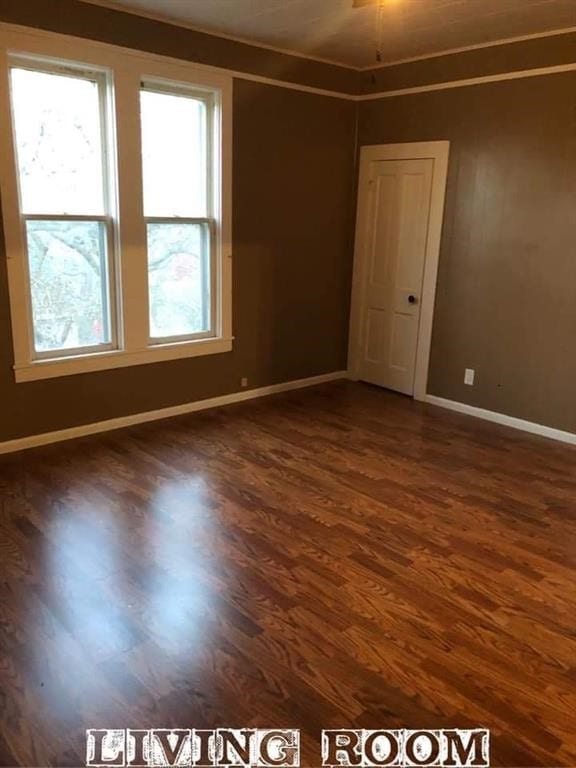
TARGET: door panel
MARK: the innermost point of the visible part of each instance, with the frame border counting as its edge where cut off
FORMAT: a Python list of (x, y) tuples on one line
[(375, 336), (399, 354), (397, 228)]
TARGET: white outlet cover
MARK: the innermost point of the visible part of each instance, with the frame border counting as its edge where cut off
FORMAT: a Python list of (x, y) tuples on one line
[(469, 376)]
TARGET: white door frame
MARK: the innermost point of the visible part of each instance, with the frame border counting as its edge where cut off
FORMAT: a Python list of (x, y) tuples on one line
[(439, 152)]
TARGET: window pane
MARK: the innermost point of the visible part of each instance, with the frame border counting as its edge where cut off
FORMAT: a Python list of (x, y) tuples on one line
[(174, 155), (59, 143), (69, 284), (179, 279)]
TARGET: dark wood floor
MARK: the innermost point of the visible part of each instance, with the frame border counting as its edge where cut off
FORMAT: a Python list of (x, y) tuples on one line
[(336, 557)]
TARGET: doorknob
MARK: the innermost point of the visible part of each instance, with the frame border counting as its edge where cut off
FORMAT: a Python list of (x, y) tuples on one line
[(412, 299)]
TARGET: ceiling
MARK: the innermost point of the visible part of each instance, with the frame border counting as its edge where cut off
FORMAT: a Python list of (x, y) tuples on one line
[(333, 30)]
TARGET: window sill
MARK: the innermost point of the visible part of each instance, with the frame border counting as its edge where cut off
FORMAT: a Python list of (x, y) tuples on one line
[(103, 361)]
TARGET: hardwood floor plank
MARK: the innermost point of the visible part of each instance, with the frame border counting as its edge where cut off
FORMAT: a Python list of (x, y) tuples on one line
[(328, 558)]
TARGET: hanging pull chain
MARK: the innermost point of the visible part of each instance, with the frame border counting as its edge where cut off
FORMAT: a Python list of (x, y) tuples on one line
[(379, 31)]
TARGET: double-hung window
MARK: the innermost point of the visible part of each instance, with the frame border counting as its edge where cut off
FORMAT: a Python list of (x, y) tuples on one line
[(115, 179), (178, 207), (61, 136)]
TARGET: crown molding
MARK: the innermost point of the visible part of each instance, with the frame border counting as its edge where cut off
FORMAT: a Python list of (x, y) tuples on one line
[(166, 19), (465, 49), (91, 44), (289, 85), (483, 80), (171, 20)]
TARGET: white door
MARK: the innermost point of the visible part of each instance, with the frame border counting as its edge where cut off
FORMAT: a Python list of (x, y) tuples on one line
[(391, 272)]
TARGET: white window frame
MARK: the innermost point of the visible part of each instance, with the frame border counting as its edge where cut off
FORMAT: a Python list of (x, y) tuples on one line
[(209, 220), (108, 218), (125, 71)]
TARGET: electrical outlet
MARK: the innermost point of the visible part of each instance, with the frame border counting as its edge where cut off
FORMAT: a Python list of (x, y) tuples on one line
[(469, 376), (244, 382)]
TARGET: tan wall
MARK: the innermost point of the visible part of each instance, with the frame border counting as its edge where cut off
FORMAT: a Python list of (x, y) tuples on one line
[(506, 301), (293, 205)]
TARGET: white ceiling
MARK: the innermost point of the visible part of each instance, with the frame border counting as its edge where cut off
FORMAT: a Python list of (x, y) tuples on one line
[(333, 30)]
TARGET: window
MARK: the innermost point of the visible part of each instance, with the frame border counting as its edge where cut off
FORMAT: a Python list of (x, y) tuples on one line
[(60, 129), (176, 145), (114, 176)]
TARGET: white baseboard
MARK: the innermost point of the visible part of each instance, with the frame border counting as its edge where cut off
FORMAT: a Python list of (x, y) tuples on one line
[(501, 418), (21, 444)]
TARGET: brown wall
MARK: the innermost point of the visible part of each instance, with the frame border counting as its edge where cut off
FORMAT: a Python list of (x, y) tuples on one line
[(506, 295), (493, 60), (293, 206), (506, 301), (72, 17), (293, 191), (83, 19)]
